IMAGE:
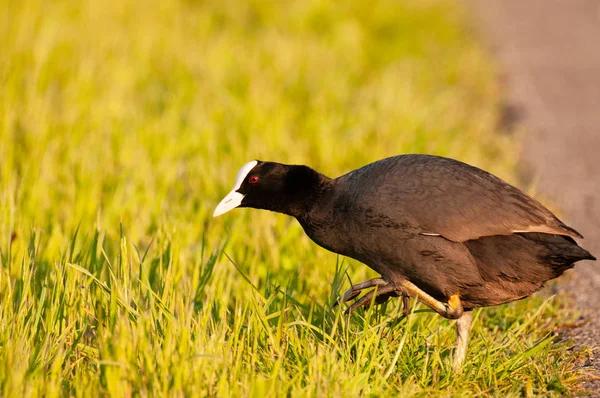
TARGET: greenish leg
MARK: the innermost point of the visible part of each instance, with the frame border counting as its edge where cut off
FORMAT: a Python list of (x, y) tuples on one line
[(451, 310), (463, 329)]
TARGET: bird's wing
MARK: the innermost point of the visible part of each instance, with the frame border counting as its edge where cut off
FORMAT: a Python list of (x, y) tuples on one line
[(440, 196)]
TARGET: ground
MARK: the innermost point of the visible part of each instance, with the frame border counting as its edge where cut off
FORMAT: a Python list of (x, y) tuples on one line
[(549, 53)]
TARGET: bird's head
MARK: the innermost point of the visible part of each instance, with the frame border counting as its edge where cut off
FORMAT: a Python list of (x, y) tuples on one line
[(272, 186)]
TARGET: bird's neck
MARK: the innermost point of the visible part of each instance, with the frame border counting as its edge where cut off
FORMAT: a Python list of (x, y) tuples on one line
[(306, 190)]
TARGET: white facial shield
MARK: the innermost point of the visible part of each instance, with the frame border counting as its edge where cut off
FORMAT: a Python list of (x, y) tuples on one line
[(234, 198)]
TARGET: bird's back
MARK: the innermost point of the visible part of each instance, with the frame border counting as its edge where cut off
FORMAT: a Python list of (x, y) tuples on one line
[(447, 197)]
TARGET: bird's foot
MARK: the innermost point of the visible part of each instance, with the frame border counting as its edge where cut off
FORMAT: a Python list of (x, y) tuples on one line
[(356, 289), (383, 292), (382, 295)]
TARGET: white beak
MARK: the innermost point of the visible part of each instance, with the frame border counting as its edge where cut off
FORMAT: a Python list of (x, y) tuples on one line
[(234, 198), (231, 201)]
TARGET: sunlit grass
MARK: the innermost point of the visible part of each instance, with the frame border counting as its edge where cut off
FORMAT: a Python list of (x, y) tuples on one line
[(122, 124)]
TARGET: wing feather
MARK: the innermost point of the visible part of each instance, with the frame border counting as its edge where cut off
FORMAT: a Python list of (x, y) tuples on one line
[(440, 196)]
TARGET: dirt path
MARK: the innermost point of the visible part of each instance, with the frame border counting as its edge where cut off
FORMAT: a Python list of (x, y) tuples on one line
[(550, 53)]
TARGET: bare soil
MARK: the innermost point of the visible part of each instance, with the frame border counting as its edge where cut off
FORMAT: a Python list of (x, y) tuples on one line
[(549, 51)]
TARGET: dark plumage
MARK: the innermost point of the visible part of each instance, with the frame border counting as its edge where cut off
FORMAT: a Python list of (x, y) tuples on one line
[(453, 235)]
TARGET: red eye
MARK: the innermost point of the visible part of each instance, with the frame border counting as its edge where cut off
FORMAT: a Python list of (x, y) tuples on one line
[(253, 179)]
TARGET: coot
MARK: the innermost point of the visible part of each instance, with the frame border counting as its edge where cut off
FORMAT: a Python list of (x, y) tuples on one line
[(446, 233)]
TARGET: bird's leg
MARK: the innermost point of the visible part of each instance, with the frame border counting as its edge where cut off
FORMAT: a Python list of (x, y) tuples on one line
[(451, 310), (384, 292), (405, 304), (356, 289), (463, 329)]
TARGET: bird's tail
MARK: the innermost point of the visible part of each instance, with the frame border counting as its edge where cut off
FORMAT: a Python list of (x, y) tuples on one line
[(562, 252)]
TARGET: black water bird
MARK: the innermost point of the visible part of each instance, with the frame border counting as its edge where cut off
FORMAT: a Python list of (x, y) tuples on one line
[(446, 233)]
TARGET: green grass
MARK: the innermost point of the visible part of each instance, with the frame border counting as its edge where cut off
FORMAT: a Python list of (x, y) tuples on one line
[(122, 124)]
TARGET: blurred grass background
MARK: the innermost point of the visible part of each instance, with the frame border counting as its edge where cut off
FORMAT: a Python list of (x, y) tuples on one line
[(123, 123)]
